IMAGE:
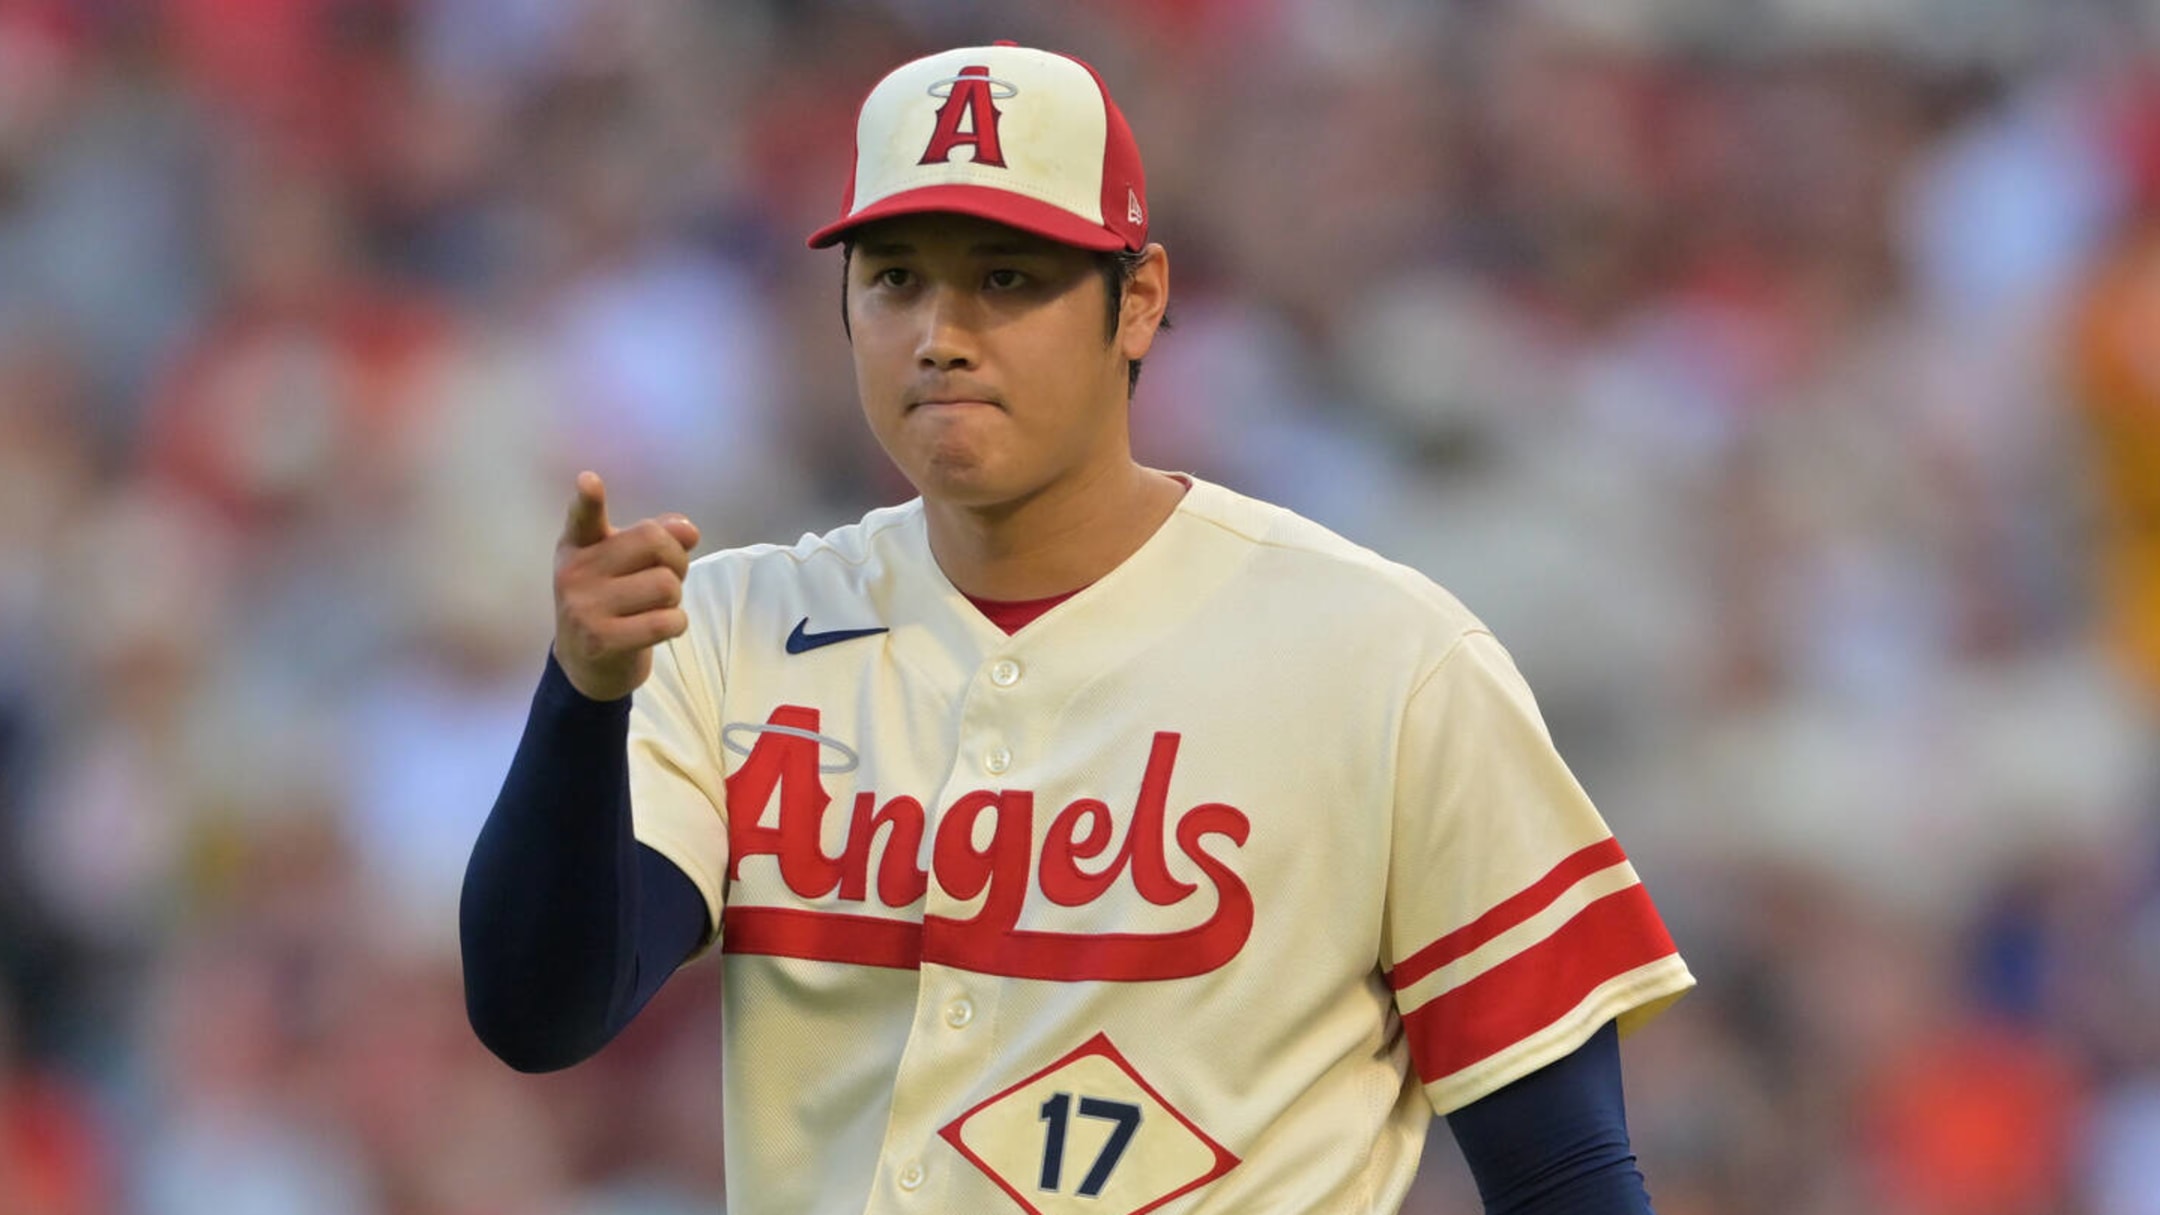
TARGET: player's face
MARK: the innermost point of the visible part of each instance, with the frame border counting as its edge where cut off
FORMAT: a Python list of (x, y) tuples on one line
[(983, 358)]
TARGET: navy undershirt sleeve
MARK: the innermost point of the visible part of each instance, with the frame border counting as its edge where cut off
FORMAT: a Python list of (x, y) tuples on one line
[(1556, 1141), (567, 924)]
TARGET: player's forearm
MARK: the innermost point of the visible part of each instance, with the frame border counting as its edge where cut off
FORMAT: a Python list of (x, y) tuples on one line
[(549, 920), (1556, 1141)]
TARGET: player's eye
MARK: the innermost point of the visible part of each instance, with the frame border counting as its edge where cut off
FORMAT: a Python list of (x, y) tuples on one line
[(1005, 280), (891, 276)]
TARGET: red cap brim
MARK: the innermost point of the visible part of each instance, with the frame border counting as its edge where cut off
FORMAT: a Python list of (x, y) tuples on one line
[(983, 202)]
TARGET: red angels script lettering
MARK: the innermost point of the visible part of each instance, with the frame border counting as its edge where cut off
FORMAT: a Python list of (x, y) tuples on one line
[(970, 99), (788, 762), (900, 880), (1063, 881), (1003, 867), (782, 768)]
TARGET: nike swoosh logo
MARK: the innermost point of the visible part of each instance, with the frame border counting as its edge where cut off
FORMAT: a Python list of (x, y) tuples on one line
[(803, 640)]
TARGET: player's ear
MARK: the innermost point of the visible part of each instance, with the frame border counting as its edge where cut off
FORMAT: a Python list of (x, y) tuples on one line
[(1147, 296)]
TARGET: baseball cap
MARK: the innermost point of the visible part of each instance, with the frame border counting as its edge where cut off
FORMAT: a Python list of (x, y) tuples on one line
[(1026, 137)]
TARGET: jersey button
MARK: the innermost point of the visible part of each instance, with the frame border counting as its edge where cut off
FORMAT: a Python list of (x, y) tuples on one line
[(911, 1177), (996, 761), (1005, 674), (959, 1013)]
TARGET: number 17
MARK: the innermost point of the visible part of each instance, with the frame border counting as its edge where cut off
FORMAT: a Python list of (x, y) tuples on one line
[(1056, 1110)]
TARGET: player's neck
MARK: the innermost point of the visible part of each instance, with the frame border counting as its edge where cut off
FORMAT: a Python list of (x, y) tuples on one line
[(1056, 541)]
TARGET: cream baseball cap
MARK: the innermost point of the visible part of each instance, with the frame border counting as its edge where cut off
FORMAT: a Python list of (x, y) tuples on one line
[(1025, 137)]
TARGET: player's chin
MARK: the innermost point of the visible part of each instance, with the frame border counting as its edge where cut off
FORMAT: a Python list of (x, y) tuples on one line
[(962, 475), (958, 483)]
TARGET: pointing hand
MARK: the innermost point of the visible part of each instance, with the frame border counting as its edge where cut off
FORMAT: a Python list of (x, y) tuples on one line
[(618, 592)]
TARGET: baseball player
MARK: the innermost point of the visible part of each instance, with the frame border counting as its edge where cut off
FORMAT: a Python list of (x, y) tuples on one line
[(1076, 837)]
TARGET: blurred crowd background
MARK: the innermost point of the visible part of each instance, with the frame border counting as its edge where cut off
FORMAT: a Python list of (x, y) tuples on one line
[(1779, 378)]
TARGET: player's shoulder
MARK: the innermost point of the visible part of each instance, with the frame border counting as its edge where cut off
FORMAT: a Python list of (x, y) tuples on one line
[(1351, 581), (849, 552)]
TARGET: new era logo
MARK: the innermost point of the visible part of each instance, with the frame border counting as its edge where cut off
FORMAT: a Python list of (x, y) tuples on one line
[(1133, 214)]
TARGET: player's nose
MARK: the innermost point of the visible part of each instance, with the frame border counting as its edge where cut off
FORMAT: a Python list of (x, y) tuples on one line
[(947, 339)]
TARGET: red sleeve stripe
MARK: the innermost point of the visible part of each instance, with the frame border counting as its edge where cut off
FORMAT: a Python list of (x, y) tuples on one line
[(1514, 910), (1533, 989)]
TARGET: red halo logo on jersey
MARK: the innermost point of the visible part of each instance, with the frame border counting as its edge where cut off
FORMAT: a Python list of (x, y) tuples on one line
[(1069, 871), (971, 99)]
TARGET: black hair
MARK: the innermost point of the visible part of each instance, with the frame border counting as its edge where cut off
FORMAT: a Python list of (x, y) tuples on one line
[(1116, 266)]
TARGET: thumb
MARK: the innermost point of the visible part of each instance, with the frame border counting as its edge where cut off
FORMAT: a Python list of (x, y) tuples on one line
[(587, 523), (685, 532)]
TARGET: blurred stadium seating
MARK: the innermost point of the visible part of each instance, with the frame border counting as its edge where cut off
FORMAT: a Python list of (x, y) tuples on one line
[(1779, 378)]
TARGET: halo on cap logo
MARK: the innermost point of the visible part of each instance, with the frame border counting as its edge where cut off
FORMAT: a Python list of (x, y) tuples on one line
[(1000, 90)]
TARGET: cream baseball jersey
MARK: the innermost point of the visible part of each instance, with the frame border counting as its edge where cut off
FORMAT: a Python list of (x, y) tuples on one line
[(1201, 893)]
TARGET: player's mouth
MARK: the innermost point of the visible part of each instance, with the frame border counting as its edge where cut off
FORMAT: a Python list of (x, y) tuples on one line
[(960, 406), (941, 402)]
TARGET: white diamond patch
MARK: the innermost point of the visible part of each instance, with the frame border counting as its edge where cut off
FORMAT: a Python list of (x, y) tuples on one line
[(1087, 1136)]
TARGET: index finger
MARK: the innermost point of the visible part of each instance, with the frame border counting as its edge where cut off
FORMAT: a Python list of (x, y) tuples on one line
[(587, 523)]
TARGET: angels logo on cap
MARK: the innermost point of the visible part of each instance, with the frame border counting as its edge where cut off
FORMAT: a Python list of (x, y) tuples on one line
[(1025, 137), (970, 97)]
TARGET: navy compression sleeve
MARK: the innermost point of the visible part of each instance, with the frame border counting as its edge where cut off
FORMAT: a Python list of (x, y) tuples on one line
[(567, 924), (1556, 1141)]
